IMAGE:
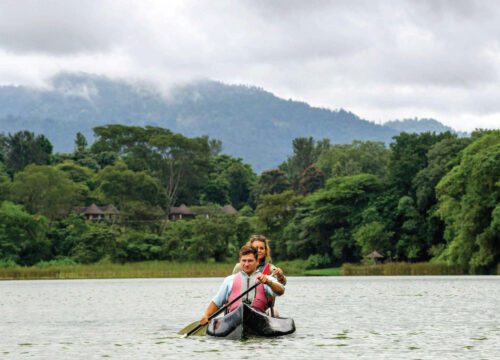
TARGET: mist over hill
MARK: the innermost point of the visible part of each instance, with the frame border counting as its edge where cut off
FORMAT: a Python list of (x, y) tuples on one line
[(252, 123)]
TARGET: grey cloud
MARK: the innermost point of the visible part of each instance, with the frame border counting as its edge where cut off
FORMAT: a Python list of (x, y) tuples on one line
[(385, 55), (59, 27)]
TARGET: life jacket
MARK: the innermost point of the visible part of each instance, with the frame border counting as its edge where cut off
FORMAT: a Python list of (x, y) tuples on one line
[(257, 298)]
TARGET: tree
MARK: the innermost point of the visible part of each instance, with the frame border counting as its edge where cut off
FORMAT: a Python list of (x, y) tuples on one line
[(271, 182), (138, 195), (46, 190), (441, 158), (179, 162), (325, 220), (274, 212), (369, 157), (229, 181), (411, 244), (311, 179), (409, 156), (80, 143), (24, 148), (98, 242), (22, 236), (468, 198), (77, 173), (305, 153)]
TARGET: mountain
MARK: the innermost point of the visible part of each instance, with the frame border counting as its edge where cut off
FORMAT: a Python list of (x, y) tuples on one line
[(252, 123), (418, 125)]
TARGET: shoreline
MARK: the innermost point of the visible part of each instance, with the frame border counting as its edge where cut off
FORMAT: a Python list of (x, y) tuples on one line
[(167, 269)]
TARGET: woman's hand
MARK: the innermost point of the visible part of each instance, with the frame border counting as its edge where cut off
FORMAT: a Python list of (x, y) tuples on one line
[(279, 274)]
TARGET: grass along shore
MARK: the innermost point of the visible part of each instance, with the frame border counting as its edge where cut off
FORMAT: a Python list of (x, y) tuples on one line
[(402, 268), (166, 269), (148, 269)]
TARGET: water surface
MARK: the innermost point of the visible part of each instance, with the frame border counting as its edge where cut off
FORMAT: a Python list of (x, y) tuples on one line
[(336, 317)]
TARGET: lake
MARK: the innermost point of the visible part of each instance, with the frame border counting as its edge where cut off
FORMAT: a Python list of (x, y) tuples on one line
[(336, 317)]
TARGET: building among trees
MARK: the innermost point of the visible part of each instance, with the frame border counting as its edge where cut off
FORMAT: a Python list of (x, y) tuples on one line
[(185, 212), (96, 213)]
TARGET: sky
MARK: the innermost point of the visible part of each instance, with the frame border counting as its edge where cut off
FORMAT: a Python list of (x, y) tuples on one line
[(382, 60)]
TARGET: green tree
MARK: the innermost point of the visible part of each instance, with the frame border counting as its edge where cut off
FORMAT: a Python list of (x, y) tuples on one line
[(468, 198), (274, 212), (181, 163), (368, 157), (24, 148), (409, 156), (46, 190), (411, 244), (271, 182), (80, 143), (230, 181), (311, 179), (325, 220), (97, 243), (138, 195), (140, 246), (441, 158), (66, 233), (22, 236), (305, 153)]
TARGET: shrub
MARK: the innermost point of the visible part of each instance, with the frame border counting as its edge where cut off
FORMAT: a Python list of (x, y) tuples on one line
[(318, 261), (7, 263)]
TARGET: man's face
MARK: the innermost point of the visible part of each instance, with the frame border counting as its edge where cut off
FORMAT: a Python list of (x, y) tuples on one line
[(248, 263)]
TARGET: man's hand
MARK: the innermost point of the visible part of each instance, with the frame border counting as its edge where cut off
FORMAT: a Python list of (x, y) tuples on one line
[(262, 278), (211, 308), (204, 320)]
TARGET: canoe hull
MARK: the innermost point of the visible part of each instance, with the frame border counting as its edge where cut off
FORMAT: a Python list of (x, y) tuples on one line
[(245, 321)]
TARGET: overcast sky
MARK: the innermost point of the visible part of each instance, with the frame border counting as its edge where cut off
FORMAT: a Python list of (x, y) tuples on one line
[(379, 59)]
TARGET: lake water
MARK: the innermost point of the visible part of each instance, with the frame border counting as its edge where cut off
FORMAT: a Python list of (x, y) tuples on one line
[(336, 317)]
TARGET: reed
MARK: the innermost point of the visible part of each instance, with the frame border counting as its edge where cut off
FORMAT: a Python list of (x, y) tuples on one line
[(324, 272), (106, 270), (148, 269), (402, 268)]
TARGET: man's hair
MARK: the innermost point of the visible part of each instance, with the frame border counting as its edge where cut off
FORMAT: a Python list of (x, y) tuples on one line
[(247, 249)]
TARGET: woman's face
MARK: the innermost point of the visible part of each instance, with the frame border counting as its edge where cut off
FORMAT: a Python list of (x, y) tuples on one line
[(261, 249)]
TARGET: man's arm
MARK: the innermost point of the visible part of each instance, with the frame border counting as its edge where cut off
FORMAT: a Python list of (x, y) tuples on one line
[(219, 299), (211, 308), (275, 286)]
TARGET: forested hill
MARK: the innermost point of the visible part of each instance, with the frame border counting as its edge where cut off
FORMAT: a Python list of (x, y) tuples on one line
[(419, 126), (252, 123)]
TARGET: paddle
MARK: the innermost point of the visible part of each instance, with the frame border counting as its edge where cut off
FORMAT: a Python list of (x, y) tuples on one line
[(199, 329)]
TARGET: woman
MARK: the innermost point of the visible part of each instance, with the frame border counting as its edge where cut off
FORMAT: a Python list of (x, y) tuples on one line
[(261, 243)]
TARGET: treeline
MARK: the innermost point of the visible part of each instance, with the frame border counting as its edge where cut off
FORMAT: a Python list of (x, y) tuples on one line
[(428, 197)]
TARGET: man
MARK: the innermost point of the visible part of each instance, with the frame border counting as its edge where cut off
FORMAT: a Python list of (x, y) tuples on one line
[(234, 285)]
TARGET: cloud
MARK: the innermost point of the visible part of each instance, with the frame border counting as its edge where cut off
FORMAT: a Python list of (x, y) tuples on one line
[(377, 58)]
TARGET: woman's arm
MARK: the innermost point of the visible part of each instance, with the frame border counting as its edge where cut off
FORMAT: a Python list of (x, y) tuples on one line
[(237, 268)]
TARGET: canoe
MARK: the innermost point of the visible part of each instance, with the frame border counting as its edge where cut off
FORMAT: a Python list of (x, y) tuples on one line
[(245, 321)]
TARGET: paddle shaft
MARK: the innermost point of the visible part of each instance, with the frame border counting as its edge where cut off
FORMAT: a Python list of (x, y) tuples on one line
[(226, 306)]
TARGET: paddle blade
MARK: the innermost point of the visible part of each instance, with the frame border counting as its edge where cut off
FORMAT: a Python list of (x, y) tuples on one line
[(267, 269), (202, 331)]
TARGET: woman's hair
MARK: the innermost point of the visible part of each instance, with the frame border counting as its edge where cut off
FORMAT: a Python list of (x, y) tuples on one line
[(265, 240)]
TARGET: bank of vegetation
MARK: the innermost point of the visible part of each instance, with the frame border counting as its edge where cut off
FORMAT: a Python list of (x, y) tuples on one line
[(426, 198)]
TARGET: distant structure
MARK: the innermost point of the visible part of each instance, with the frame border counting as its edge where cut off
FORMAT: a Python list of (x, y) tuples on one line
[(185, 212), (98, 213), (375, 256), (180, 212)]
